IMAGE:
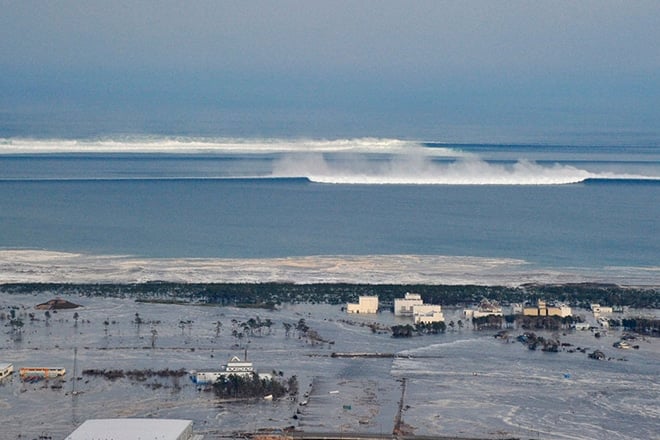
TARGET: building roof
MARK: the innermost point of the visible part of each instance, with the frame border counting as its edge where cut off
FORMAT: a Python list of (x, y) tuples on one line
[(130, 429), (4, 365)]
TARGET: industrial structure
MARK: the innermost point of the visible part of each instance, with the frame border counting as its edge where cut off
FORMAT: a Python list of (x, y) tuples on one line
[(427, 314), (543, 309), (485, 308), (597, 310), (404, 306), (135, 429), (365, 304), (413, 305)]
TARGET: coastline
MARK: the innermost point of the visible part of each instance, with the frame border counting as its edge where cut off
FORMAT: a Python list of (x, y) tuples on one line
[(43, 266)]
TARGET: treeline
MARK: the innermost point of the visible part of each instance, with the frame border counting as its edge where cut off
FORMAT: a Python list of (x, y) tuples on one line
[(139, 375), (271, 294), (242, 387), (643, 326), (421, 328)]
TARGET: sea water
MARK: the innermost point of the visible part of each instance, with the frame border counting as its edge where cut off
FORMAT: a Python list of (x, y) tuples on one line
[(586, 207)]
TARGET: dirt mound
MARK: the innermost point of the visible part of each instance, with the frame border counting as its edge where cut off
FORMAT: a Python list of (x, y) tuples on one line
[(56, 304)]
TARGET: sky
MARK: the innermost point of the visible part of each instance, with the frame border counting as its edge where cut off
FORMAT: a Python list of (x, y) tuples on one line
[(458, 70)]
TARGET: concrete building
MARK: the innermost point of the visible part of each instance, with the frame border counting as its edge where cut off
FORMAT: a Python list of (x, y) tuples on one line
[(485, 308), (597, 309), (427, 313), (404, 306), (135, 429), (543, 309), (6, 370), (235, 366), (365, 304)]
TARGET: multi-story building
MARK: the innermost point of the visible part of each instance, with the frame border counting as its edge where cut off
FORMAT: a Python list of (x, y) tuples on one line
[(404, 306), (427, 313), (543, 309), (365, 304), (485, 308)]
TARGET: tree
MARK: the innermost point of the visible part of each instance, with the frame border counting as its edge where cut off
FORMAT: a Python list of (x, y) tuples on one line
[(302, 327), (251, 325), (402, 331), (287, 329), (16, 325), (138, 322), (268, 323), (75, 318), (218, 326), (154, 335)]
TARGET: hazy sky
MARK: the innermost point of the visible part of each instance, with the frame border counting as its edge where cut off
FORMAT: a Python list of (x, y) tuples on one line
[(449, 63)]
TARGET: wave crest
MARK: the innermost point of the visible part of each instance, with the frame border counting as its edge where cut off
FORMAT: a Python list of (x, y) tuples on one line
[(185, 145), (423, 170)]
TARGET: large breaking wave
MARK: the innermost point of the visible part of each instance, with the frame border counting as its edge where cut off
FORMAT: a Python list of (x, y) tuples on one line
[(366, 161), (420, 170)]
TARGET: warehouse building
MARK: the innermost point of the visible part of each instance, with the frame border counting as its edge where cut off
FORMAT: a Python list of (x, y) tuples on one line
[(135, 429)]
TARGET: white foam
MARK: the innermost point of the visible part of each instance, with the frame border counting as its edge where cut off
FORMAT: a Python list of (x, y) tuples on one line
[(366, 161), (420, 169), (182, 145)]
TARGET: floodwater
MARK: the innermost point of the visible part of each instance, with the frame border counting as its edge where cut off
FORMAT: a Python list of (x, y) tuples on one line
[(463, 382)]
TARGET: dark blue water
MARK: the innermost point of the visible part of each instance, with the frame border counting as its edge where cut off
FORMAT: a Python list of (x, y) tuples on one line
[(591, 224)]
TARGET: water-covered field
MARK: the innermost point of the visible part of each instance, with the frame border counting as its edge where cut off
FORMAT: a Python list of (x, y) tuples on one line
[(463, 382)]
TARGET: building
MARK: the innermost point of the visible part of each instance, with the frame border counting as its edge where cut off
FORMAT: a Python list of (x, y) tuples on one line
[(485, 308), (427, 313), (135, 429), (543, 309), (6, 370), (404, 306), (413, 305), (41, 372), (365, 304), (235, 366), (597, 309)]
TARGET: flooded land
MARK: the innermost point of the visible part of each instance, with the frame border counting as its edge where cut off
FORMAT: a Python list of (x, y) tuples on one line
[(463, 382)]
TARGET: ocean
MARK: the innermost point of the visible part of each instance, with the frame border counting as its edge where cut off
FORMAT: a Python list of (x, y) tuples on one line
[(367, 210), (585, 207)]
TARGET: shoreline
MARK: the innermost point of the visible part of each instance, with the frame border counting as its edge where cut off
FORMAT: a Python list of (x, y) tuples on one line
[(43, 266)]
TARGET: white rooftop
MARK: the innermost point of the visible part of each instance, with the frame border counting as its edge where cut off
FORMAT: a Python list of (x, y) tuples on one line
[(132, 429)]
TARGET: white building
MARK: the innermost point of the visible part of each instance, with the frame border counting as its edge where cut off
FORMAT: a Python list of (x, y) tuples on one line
[(6, 370), (485, 308), (235, 366), (365, 304), (427, 313), (135, 429), (597, 309), (404, 306)]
